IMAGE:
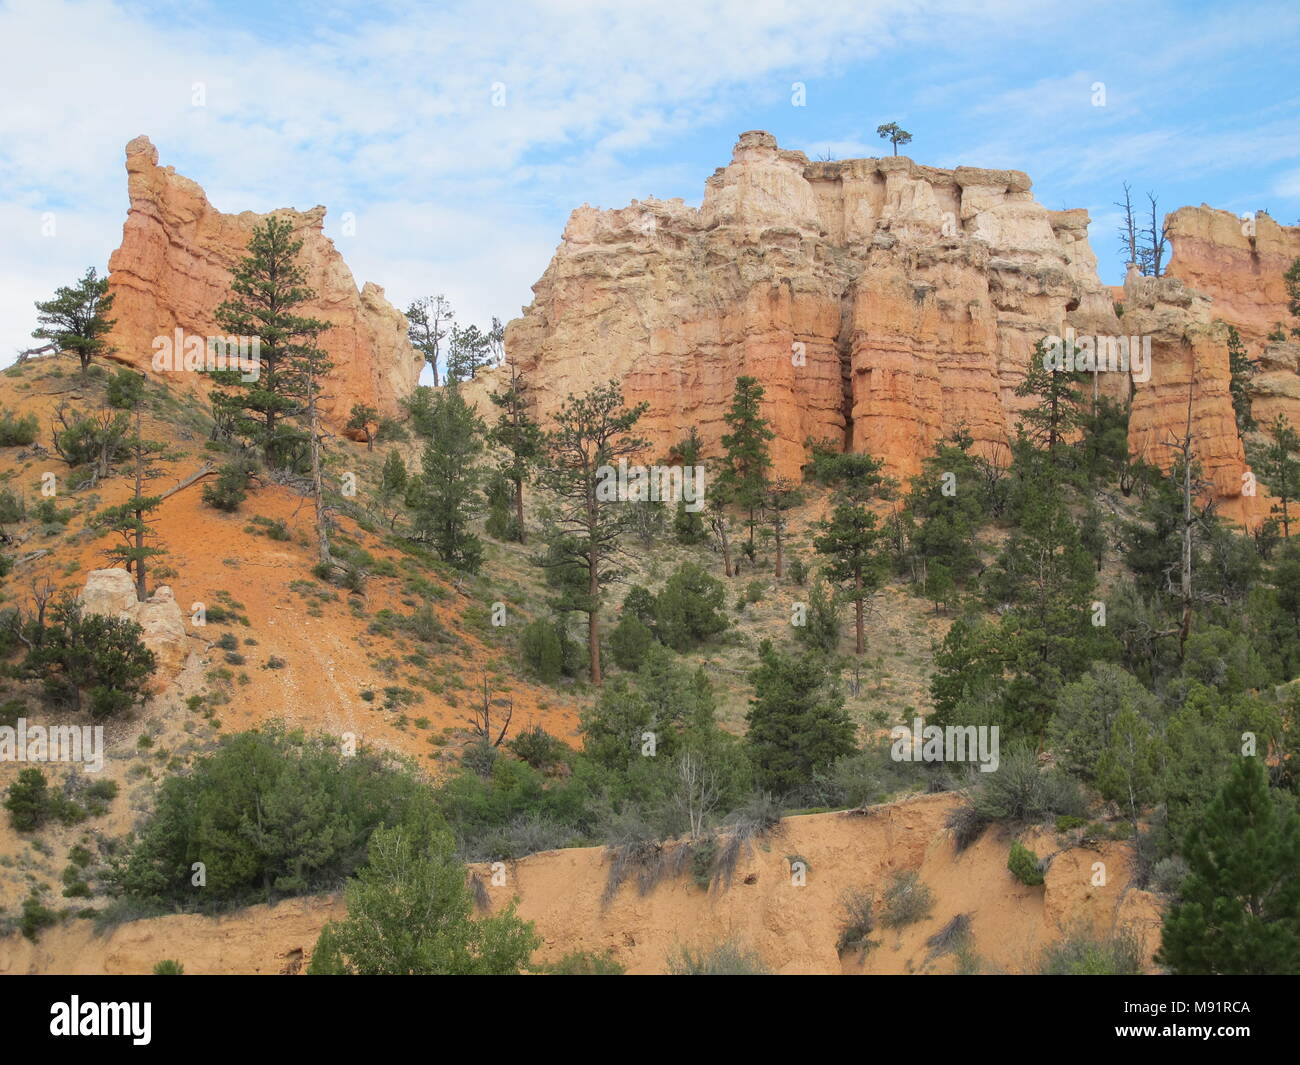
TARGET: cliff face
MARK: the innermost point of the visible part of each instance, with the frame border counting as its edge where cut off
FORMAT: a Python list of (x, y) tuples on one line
[(1239, 267), (880, 303), (173, 270)]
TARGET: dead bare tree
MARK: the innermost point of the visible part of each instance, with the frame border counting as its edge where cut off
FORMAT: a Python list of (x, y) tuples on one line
[(480, 723), (1128, 230), (700, 789)]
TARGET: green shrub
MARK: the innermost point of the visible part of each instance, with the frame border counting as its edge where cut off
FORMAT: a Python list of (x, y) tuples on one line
[(689, 610), (28, 801), (629, 642), (167, 967), (1024, 865), (723, 959), (583, 963), (907, 900), (315, 809), (88, 661), (539, 748), (229, 489), (859, 922), (125, 389), (1083, 952), (540, 646), (35, 917), (17, 430)]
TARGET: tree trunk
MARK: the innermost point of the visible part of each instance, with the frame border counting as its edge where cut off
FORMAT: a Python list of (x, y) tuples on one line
[(858, 610), (519, 508), (318, 495), (780, 572), (593, 625), (141, 578)]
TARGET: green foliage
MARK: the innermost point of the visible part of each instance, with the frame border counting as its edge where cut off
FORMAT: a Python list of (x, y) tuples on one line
[(17, 430), (1082, 952), (850, 541), (820, 630), (230, 487), (1239, 906), (797, 721), (447, 494), (541, 649), (728, 958), (269, 814), (1241, 367), (125, 389), (630, 641), (88, 660), (410, 913), (267, 286), (520, 439), (859, 921), (906, 900), (168, 967), (689, 610), (583, 963), (1024, 865), (76, 319), (743, 479), (28, 801), (587, 523)]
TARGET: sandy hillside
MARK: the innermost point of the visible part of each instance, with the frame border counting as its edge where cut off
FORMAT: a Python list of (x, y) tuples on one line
[(794, 929)]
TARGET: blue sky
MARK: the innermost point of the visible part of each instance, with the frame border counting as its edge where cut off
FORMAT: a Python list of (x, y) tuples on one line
[(385, 110)]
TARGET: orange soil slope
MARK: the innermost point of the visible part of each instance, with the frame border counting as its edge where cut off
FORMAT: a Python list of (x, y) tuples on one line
[(794, 928)]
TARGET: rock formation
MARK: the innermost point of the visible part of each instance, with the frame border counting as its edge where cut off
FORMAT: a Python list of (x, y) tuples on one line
[(111, 592), (882, 304), (173, 270)]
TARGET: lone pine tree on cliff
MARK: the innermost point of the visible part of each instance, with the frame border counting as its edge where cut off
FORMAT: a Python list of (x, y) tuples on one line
[(76, 319), (894, 133)]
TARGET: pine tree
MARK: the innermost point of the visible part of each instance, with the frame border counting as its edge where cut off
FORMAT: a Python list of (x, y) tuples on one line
[(447, 494), (591, 433), (747, 462), (1280, 469), (797, 721), (780, 497), (267, 285), (133, 520), (76, 319), (520, 436), (851, 540), (1055, 411), (410, 913), (1238, 910), (1240, 367)]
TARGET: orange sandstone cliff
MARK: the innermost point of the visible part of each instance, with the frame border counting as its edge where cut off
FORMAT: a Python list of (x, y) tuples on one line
[(881, 304), (173, 270)]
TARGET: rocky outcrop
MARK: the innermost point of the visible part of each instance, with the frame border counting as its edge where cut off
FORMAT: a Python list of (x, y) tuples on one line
[(880, 303), (1237, 263), (111, 592), (173, 270)]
